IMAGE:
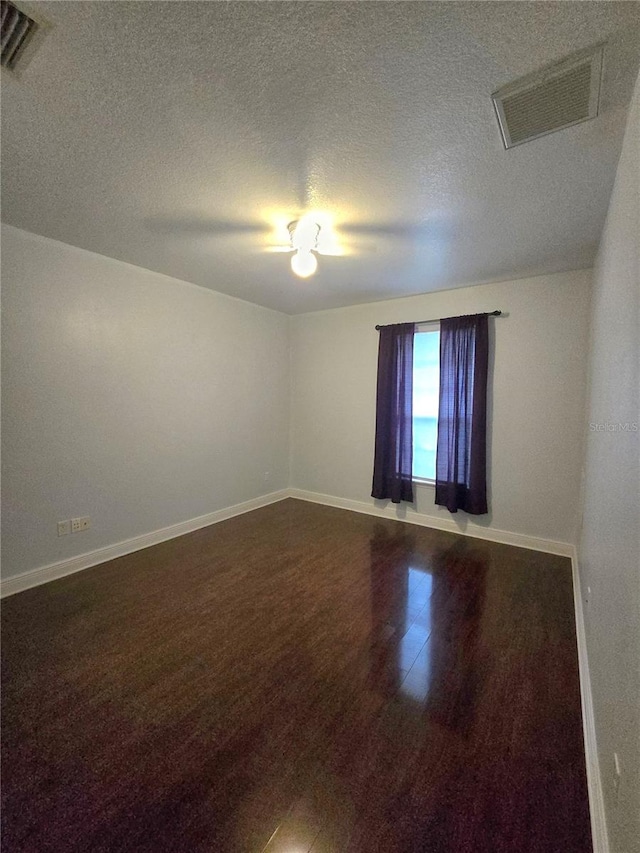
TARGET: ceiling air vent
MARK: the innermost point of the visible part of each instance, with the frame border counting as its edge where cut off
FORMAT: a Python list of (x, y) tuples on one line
[(559, 96), (18, 30)]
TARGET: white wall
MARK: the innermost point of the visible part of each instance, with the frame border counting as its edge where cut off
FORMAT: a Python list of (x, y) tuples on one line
[(130, 397), (143, 401), (609, 550), (536, 432)]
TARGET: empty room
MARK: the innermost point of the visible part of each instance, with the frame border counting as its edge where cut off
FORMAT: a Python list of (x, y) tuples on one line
[(320, 412)]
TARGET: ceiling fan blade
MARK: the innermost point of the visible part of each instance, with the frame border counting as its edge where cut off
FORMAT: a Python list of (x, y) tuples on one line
[(275, 249), (333, 253), (352, 250), (202, 225), (400, 229)]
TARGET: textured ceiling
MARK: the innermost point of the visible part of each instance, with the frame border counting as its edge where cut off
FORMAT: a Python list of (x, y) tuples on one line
[(150, 131)]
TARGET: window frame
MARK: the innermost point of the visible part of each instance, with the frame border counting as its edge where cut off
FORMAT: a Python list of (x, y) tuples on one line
[(421, 328)]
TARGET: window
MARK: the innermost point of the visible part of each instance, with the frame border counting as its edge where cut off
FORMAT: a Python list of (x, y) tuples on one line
[(426, 389)]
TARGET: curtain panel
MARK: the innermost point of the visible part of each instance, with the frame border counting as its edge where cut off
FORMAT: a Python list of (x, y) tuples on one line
[(461, 455), (393, 460)]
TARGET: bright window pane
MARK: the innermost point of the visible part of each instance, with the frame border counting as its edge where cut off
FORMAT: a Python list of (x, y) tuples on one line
[(426, 387)]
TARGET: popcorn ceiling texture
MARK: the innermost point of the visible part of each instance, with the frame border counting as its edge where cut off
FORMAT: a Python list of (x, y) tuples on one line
[(142, 130)]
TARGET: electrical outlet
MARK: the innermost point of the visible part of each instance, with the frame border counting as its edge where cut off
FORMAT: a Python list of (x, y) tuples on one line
[(64, 527), (588, 601), (267, 476), (78, 524)]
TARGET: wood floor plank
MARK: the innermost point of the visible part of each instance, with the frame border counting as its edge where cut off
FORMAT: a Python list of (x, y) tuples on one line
[(297, 678)]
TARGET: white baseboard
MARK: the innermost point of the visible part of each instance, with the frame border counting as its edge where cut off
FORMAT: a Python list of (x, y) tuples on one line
[(44, 574), (594, 782), (52, 571), (520, 540)]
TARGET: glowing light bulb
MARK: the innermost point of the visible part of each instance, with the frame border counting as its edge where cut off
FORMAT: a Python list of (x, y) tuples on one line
[(304, 263)]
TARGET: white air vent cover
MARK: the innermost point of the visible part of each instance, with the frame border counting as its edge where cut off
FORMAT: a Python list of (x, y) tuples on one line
[(559, 96), (18, 36)]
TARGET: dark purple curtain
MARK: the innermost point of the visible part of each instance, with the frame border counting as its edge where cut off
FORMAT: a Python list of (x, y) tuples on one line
[(461, 456), (392, 474)]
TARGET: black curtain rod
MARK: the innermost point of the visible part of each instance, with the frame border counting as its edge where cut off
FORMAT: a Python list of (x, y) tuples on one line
[(420, 322)]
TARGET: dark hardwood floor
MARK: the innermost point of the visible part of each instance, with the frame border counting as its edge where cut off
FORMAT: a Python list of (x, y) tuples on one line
[(297, 679)]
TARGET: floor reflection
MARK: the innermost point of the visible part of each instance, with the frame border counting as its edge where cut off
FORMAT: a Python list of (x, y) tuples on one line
[(426, 611), (390, 556), (414, 658), (457, 604)]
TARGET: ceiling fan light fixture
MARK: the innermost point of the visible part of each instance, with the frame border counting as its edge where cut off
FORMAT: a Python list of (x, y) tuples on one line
[(304, 263), (304, 240), (303, 233)]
